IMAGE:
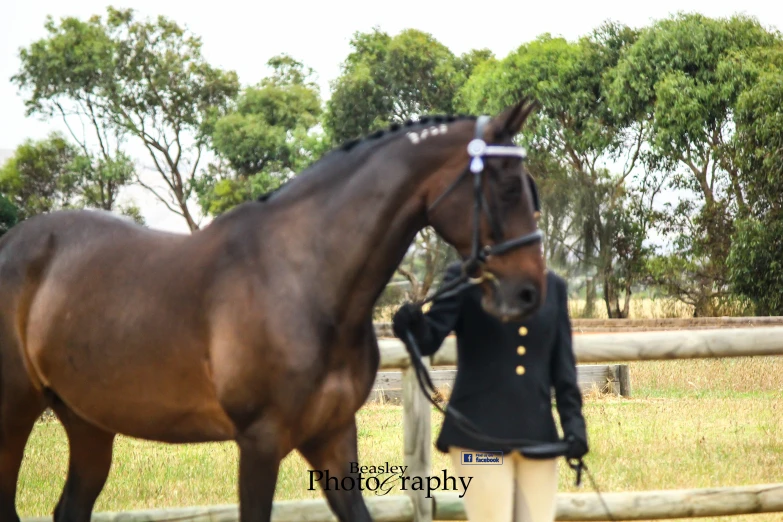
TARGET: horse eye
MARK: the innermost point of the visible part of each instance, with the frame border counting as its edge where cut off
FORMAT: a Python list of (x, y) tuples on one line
[(512, 189)]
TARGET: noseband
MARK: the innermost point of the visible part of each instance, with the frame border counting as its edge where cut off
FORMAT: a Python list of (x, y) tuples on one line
[(478, 151)]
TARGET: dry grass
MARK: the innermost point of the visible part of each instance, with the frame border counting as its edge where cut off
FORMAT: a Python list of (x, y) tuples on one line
[(689, 424), (661, 308), (640, 308)]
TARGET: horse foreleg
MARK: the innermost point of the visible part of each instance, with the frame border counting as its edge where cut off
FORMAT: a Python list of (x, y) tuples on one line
[(334, 454), (88, 466), (260, 453)]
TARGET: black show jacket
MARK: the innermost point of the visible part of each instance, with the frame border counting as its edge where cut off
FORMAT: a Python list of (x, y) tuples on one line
[(505, 371)]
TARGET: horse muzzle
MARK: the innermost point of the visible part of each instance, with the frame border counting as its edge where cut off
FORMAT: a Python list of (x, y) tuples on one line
[(510, 300)]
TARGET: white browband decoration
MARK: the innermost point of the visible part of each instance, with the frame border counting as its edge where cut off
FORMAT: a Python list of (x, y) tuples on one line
[(478, 148)]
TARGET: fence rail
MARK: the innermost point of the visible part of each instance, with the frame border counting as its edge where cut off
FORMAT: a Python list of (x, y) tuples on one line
[(631, 346), (637, 505), (632, 505), (607, 378)]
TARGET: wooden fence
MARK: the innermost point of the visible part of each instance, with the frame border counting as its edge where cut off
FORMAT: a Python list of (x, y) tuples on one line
[(595, 348), (613, 379)]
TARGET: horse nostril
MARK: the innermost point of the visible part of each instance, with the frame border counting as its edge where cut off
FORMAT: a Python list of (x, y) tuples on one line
[(528, 295)]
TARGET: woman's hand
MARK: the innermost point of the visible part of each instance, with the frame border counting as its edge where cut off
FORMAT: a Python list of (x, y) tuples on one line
[(577, 447), (408, 318)]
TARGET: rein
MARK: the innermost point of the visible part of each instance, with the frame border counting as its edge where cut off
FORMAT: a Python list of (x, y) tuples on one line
[(478, 150)]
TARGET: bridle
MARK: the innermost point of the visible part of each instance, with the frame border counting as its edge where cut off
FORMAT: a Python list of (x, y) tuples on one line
[(479, 151)]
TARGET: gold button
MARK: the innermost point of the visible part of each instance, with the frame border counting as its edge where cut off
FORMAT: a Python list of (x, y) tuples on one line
[(522, 330), (521, 350), (520, 370)]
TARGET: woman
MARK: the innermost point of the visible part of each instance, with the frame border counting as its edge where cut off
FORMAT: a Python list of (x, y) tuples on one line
[(505, 372)]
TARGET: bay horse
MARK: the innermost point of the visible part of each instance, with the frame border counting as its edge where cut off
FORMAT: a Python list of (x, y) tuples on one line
[(258, 328)]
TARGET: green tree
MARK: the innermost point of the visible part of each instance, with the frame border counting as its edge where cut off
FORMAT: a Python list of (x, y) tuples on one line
[(756, 263), (755, 260), (63, 73), (757, 144), (140, 78), (102, 177), (572, 140), (264, 138), (41, 177), (53, 174), (390, 79), (8, 215), (674, 78)]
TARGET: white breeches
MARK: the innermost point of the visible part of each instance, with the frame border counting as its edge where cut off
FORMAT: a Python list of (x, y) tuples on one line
[(518, 490)]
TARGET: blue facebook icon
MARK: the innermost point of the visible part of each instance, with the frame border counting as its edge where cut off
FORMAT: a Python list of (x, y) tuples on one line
[(467, 457)]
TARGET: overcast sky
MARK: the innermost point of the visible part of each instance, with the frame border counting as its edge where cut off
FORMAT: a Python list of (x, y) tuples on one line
[(242, 36)]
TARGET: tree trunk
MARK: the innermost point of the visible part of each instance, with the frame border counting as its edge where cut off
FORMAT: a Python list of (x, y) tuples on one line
[(188, 218), (589, 310), (627, 304), (589, 243)]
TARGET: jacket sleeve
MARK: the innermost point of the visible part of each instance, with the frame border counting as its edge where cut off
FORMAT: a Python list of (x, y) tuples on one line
[(442, 316), (568, 397)]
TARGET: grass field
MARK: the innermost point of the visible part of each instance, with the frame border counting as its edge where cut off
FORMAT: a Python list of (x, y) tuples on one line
[(689, 424)]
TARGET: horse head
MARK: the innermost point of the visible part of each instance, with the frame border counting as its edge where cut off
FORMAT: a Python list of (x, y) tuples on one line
[(488, 211)]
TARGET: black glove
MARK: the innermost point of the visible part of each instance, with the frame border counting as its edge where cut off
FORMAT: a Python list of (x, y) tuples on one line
[(577, 447), (408, 318)]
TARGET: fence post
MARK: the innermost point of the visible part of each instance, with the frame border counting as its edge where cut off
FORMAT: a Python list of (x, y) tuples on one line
[(417, 438)]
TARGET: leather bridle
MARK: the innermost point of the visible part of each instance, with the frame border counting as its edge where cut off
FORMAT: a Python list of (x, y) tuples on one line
[(479, 151)]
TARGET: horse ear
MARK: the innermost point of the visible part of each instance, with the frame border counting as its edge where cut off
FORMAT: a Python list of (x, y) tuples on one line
[(507, 124)]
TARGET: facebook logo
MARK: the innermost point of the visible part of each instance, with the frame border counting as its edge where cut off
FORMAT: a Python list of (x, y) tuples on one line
[(482, 457)]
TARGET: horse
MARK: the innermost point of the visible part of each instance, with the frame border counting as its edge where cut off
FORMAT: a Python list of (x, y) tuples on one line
[(256, 329)]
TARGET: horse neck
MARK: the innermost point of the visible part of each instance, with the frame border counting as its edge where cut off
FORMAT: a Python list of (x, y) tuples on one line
[(365, 222)]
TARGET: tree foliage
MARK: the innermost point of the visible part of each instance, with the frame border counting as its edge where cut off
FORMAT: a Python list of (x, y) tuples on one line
[(264, 138), (758, 141), (571, 139), (138, 78), (64, 74), (8, 215), (755, 260), (756, 263), (680, 78), (53, 174), (387, 79), (41, 176)]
